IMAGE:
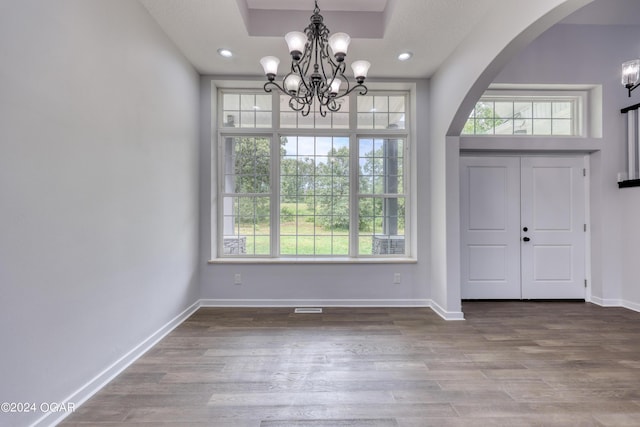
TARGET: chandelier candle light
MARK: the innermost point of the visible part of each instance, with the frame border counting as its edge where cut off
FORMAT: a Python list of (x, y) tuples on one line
[(631, 74), (315, 75)]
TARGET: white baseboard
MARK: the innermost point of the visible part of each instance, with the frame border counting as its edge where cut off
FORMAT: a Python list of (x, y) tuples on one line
[(607, 302), (603, 302), (103, 378), (446, 315), (631, 305), (315, 303)]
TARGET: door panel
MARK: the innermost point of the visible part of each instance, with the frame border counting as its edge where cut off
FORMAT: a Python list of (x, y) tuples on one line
[(553, 260), (551, 189), (522, 228), (487, 263), (490, 258)]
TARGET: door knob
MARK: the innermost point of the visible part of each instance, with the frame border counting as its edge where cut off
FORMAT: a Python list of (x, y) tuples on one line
[(525, 229), (526, 239)]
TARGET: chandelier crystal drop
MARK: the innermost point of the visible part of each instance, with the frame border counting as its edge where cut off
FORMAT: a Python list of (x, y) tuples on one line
[(316, 75)]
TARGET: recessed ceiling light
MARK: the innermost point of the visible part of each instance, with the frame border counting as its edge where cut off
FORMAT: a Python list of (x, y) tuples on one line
[(405, 56), (225, 52)]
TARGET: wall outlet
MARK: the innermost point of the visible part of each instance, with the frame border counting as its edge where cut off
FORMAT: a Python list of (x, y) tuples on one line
[(237, 279), (396, 278)]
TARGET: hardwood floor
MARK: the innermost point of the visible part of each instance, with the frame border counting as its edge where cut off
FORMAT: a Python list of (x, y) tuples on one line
[(508, 364)]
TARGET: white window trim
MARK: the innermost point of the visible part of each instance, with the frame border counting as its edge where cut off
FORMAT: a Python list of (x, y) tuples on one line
[(219, 133), (512, 94)]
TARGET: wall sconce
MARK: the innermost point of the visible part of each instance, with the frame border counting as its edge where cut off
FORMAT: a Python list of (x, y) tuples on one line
[(631, 74), (631, 178)]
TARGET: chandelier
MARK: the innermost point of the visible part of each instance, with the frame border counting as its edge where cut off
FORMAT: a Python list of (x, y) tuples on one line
[(316, 76)]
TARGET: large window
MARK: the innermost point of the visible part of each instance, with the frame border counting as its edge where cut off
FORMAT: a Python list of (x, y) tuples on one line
[(531, 115), (294, 186)]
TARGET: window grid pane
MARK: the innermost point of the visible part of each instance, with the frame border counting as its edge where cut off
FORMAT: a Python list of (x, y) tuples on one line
[(247, 165), (381, 210), (246, 110), (314, 196), (523, 117), (246, 222), (246, 225), (381, 229), (290, 119), (381, 112)]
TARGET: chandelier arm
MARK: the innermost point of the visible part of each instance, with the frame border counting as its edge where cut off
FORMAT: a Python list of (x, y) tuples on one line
[(332, 105), (323, 100), (363, 91), (272, 83), (317, 46), (301, 68), (322, 44), (322, 111), (318, 77), (302, 100), (325, 97), (344, 77), (337, 71), (323, 50), (304, 108), (296, 70), (305, 61), (298, 106), (324, 88)]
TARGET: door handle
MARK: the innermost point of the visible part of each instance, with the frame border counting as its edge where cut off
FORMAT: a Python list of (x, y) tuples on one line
[(525, 239)]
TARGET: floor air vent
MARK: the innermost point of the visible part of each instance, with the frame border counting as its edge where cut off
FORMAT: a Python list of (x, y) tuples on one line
[(308, 310)]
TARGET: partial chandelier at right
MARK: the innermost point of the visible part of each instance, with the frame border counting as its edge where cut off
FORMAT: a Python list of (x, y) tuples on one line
[(631, 74)]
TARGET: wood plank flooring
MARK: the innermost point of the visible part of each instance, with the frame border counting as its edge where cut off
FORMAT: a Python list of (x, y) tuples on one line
[(508, 364)]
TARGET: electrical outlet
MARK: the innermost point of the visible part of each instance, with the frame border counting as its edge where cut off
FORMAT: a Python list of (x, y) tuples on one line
[(396, 278), (237, 279)]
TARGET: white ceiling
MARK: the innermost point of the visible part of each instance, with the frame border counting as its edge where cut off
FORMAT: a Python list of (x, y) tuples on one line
[(358, 5), (380, 29)]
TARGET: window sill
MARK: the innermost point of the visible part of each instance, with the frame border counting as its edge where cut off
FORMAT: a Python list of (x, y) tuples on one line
[(314, 260)]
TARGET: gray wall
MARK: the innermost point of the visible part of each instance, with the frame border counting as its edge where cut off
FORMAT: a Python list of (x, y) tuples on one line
[(593, 54), (98, 191)]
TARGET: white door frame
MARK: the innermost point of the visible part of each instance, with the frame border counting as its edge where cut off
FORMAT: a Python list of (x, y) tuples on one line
[(585, 157)]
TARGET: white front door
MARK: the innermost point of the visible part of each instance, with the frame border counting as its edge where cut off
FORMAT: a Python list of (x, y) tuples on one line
[(553, 214), (490, 219), (522, 228)]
